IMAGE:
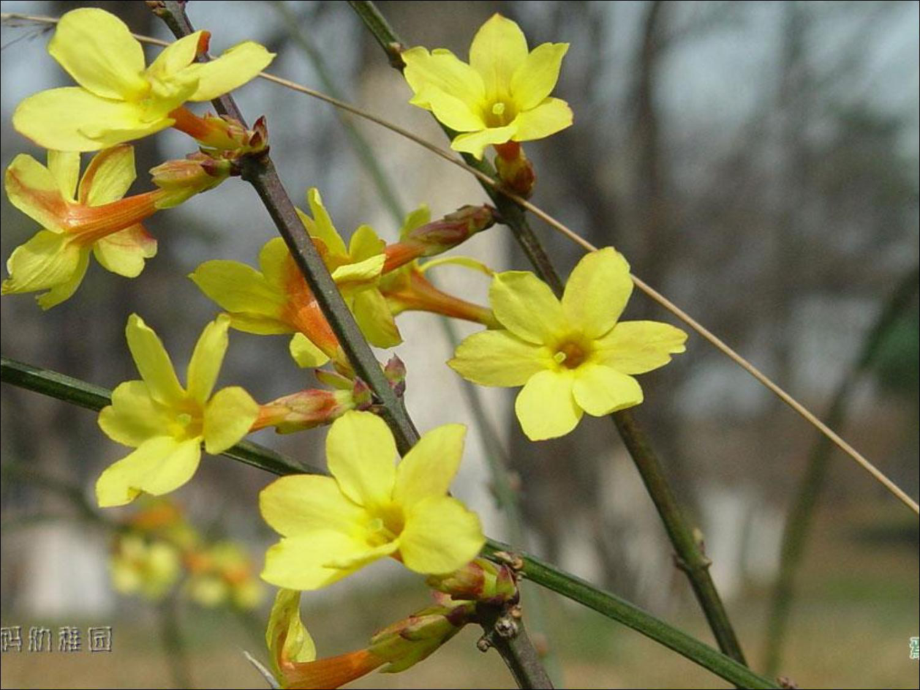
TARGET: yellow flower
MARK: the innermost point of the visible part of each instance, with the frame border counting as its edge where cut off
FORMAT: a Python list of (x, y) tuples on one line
[(94, 219), (166, 422), (571, 356), (370, 508), (293, 652), (502, 95), (118, 98), (277, 299), (356, 271), (138, 566)]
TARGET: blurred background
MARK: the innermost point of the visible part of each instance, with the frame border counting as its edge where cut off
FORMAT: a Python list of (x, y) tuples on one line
[(756, 162)]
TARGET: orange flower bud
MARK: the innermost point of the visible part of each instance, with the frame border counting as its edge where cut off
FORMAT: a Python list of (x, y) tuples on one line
[(514, 169)]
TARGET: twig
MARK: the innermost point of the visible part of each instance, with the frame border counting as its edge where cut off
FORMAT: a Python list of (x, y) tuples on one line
[(71, 390)]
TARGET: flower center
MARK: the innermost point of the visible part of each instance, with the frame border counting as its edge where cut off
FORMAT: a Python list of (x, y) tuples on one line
[(571, 354), (188, 424), (388, 524), (499, 114)]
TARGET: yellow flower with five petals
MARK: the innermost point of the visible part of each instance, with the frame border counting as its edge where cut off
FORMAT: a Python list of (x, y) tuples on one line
[(572, 356), (119, 98), (277, 299), (167, 423), (370, 508), (502, 95), (76, 222)]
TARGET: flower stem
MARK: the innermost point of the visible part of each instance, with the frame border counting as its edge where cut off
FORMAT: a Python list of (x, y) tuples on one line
[(92, 397), (688, 552)]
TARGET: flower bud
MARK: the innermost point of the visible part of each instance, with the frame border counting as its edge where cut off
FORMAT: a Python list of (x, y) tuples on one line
[(180, 180), (304, 410), (224, 135), (439, 236), (409, 641), (514, 169), (480, 580)]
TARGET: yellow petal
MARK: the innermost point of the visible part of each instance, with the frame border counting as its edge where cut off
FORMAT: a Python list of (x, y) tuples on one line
[(475, 143), (73, 119), (442, 71), (457, 114), (235, 67), (536, 77), (499, 358), (287, 639), (360, 452), (125, 251), (158, 466), (305, 503), (499, 48), (320, 225), (597, 292), (64, 291), (259, 325), (430, 466), (134, 417), (276, 264), (546, 407), (600, 390), (32, 189), (305, 353), (441, 535), (635, 347), (239, 288), (99, 52), (301, 562), (361, 559), (175, 57), (415, 219), (359, 273), (64, 167), (207, 358), (146, 122), (546, 119), (228, 417), (526, 306), (153, 362), (108, 176), (375, 319), (44, 262), (365, 244)]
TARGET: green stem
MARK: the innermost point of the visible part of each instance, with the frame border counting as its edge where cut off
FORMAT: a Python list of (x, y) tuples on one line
[(632, 616), (83, 394), (173, 644), (690, 556), (801, 514), (541, 573), (687, 545)]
